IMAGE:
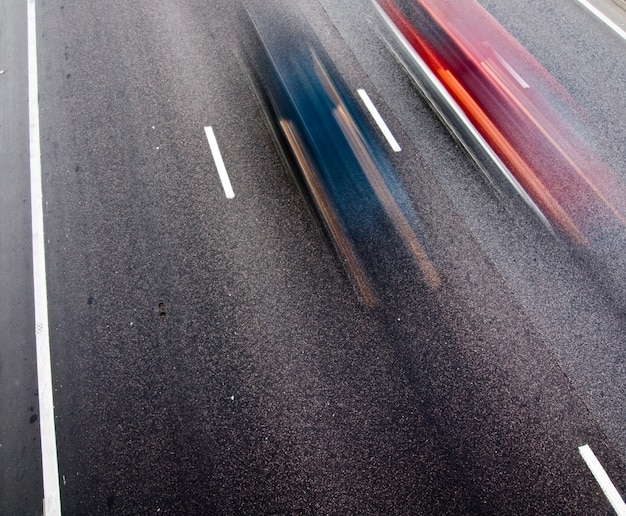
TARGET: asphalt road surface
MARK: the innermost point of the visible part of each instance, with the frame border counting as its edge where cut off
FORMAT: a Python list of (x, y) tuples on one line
[(210, 354)]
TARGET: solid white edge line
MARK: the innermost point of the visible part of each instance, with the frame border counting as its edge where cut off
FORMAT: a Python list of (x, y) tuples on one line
[(379, 120), (219, 162), (49, 461), (603, 479), (604, 18)]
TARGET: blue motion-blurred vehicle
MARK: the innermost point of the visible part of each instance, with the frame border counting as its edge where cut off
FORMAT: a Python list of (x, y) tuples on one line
[(336, 154)]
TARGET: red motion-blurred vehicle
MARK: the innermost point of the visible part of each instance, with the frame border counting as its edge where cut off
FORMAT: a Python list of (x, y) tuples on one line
[(494, 94)]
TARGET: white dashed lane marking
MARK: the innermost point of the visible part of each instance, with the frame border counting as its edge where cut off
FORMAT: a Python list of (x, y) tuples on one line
[(379, 120), (219, 162), (603, 479)]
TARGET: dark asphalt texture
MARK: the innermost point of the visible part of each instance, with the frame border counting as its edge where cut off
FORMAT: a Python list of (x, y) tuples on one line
[(210, 356), (20, 458)]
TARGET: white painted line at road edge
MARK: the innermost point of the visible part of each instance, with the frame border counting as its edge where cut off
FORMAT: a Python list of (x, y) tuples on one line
[(603, 479), (604, 18), (379, 120), (49, 461), (219, 162)]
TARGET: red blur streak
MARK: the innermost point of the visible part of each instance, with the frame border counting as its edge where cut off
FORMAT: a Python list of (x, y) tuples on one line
[(508, 96)]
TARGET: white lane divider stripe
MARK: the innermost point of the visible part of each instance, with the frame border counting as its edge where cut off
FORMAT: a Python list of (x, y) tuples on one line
[(379, 120), (603, 479), (219, 162), (49, 461), (604, 18)]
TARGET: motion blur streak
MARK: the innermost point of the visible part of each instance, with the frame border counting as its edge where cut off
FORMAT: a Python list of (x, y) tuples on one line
[(529, 181), (334, 226), (386, 198), (376, 181), (336, 155), (525, 116)]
